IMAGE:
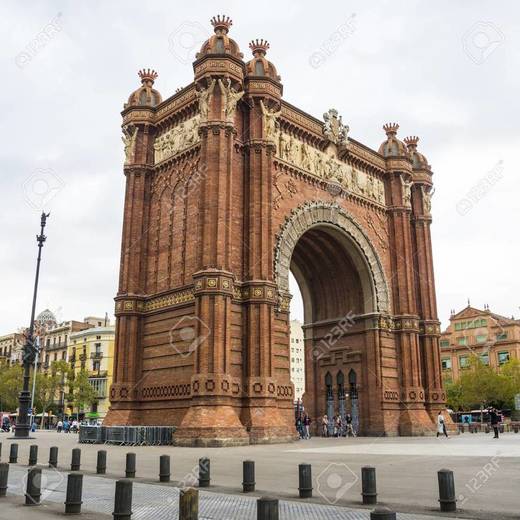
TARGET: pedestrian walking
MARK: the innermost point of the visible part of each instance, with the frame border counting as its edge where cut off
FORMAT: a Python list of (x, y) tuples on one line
[(60, 426), (325, 426), (494, 418), (350, 430), (299, 426), (307, 426), (441, 425)]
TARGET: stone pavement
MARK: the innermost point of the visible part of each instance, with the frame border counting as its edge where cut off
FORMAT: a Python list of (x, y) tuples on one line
[(161, 502), (486, 470)]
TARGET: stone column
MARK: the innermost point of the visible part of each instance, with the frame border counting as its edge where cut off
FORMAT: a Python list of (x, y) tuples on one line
[(269, 413), (129, 300), (213, 418), (413, 419)]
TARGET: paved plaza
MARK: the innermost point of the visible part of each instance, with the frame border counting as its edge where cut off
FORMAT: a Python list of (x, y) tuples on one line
[(406, 475)]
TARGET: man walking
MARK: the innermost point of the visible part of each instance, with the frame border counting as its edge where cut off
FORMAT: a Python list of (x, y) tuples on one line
[(494, 419)]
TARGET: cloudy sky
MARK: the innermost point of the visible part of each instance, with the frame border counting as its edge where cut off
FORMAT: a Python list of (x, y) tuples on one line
[(447, 72)]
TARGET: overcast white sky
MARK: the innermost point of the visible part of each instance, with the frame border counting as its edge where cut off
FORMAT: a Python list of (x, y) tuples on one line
[(446, 71)]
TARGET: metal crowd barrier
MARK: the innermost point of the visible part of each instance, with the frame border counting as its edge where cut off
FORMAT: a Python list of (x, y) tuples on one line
[(127, 435)]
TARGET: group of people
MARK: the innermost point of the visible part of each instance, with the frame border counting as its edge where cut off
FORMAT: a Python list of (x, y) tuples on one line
[(67, 427), (303, 426), (341, 427), (495, 418)]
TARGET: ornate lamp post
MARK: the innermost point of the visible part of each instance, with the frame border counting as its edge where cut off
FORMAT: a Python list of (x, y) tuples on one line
[(22, 424)]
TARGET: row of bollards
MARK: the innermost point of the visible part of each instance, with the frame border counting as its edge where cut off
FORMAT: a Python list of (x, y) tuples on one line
[(446, 483)]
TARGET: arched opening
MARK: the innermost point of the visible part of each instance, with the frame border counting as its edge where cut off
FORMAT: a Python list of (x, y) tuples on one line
[(332, 289)]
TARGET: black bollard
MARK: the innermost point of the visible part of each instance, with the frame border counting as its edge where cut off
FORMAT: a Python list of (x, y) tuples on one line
[(0, 451), (368, 484), (53, 457), (382, 513), (101, 465), (4, 476), (189, 504), (305, 480), (75, 463), (123, 500), (130, 465), (13, 453), (447, 499), (74, 491), (33, 491), (33, 455), (164, 468), (267, 508), (204, 472), (248, 476)]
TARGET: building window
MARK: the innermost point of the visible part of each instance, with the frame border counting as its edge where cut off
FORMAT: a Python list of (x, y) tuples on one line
[(484, 358), (458, 326), (96, 366), (48, 343), (463, 341), (501, 335), (483, 323), (503, 357), (98, 337), (63, 355), (481, 338), (445, 342), (463, 361), (55, 356), (446, 363)]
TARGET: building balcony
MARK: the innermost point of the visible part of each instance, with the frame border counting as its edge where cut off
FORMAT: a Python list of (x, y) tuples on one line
[(96, 355), (72, 358), (98, 373), (82, 357)]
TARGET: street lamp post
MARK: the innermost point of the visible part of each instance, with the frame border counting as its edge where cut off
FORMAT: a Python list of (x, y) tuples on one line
[(29, 352)]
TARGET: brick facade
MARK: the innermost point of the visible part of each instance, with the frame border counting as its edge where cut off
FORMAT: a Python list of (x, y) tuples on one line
[(228, 187)]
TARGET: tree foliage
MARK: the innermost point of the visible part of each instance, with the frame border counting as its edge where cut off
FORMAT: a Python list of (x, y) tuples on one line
[(11, 382), (82, 392), (481, 386)]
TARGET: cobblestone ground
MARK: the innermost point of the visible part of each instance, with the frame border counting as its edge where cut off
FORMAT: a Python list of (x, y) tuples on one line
[(158, 502)]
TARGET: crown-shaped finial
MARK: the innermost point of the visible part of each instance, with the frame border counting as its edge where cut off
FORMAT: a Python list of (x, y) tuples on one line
[(259, 46), (148, 75), (221, 23), (411, 141), (391, 129)]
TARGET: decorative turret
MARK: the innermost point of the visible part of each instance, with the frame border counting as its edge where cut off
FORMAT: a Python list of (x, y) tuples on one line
[(220, 42), (392, 147), (259, 66), (419, 161), (145, 95)]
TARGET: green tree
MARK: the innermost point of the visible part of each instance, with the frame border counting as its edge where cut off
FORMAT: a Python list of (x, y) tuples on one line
[(50, 385), (11, 382), (481, 385), (82, 392), (510, 382)]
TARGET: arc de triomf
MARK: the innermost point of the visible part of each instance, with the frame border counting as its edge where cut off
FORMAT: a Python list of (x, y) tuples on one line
[(228, 189)]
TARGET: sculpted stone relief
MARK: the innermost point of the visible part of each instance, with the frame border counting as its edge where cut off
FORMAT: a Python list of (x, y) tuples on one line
[(129, 138), (407, 193), (325, 166), (177, 139), (427, 200), (334, 129), (230, 98)]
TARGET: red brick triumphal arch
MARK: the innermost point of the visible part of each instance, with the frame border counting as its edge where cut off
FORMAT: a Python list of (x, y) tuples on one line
[(228, 188)]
